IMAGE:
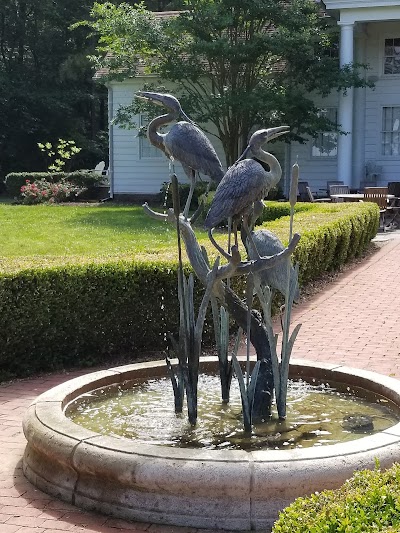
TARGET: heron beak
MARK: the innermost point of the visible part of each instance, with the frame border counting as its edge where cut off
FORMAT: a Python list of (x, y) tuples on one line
[(273, 133), (156, 98), (185, 117)]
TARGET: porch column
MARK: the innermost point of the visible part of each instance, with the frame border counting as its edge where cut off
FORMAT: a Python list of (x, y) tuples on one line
[(345, 114)]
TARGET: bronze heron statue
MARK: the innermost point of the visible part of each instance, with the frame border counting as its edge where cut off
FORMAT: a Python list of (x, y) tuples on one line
[(184, 142), (276, 277), (245, 185)]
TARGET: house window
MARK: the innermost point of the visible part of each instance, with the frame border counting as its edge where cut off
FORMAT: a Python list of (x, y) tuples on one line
[(325, 143), (392, 56), (146, 149), (391, 131)]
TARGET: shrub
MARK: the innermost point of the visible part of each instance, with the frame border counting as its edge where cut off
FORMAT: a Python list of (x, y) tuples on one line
[(81, 178), (73, 315), (369, 501), (43, 191), (331, 234)]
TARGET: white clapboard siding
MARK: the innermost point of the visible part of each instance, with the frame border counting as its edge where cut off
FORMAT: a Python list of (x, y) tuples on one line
[(316, 170), (386, 93)]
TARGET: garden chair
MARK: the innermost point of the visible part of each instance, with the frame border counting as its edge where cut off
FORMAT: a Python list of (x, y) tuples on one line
[(303, 196), (394, 188), (311, 197), (339, 189), (329, 184), (100, 168), (101, 171), (302, 191), (378, 195)]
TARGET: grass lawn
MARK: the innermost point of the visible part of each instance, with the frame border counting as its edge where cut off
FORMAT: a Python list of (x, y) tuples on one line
[(46, 234)]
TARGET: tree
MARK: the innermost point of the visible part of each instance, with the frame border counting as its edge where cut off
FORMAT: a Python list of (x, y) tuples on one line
[(46, 86), (238, 63)]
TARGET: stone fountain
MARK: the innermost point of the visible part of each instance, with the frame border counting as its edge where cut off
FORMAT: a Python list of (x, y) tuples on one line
[(224, 489)]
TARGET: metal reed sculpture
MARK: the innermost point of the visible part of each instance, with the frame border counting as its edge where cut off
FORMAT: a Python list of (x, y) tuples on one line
[(267, 266)]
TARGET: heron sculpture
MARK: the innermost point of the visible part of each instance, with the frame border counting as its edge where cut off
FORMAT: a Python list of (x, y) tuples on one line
[(184, 142), (245, 185), (276, 277)]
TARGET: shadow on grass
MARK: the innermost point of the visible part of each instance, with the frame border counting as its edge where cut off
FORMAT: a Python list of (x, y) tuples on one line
[(117, 217), (121, 218)]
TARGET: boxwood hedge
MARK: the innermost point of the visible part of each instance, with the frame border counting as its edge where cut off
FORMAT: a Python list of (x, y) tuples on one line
[(63, 315), (367, 502)]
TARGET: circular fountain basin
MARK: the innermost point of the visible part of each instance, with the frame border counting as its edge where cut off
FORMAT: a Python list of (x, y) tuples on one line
[(218, 489)]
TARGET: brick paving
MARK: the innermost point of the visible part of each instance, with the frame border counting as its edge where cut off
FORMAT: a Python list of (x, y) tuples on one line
[(353, 321)]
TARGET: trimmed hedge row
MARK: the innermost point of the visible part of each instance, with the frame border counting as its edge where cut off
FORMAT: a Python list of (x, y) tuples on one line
[(82, 178), (368, 501), (63, 316), (331, 234)]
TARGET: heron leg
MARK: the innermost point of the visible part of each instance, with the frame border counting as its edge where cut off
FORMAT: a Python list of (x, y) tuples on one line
[(257, 210), (250, 237), (190, 195), (235, 231), (217, 246), (171, 166), (229, 234)]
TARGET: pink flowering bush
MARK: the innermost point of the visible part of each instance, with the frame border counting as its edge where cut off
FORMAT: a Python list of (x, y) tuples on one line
[(41, 191)]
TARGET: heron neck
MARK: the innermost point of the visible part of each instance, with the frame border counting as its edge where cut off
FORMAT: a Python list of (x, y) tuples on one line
[(156, 138), (275, 169)]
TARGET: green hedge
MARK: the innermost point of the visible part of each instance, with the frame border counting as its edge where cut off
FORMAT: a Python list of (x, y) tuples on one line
[(331, 234), (83, 178), (367, 502), (63, 316), (82, 315)]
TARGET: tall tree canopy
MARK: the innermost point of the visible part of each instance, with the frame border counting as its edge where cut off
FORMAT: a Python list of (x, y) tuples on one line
[(46, 86), (237, 63)]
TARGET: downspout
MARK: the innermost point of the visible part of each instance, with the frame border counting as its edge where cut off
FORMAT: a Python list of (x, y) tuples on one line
[(110, 139)]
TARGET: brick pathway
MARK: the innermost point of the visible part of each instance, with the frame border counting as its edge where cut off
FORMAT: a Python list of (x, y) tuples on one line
[(352, 321)]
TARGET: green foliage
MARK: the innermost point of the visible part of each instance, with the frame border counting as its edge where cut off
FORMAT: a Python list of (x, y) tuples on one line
[(232, 70), (47, 89), (59, 155), (66, 316), (331, 234), (82, 310), (81, 178), (42, 191), (369, 501)]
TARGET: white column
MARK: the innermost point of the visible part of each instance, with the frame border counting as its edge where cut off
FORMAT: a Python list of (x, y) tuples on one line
[(360, 39), (345, 115)]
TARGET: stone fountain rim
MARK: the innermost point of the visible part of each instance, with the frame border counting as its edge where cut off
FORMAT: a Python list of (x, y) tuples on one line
[(58, 397), (233, 490)]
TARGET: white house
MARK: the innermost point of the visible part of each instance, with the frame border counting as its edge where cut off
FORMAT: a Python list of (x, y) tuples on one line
[(369, 152)]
